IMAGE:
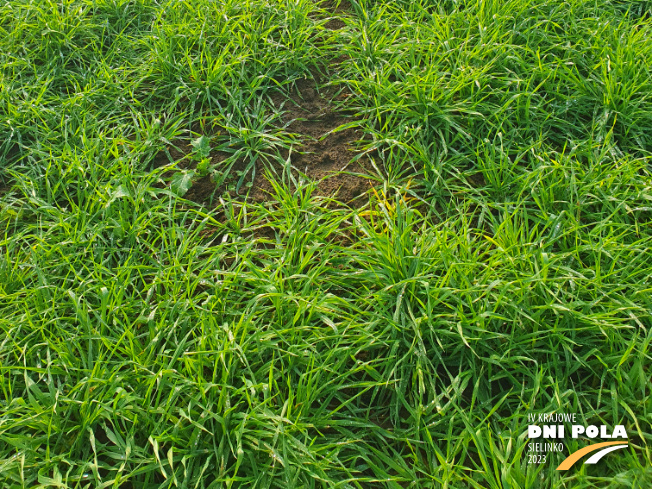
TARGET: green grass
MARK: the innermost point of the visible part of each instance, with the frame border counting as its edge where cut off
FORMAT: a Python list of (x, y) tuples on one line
[(501, 267)]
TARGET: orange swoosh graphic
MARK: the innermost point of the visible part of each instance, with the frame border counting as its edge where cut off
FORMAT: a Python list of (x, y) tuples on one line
[(575, 456)]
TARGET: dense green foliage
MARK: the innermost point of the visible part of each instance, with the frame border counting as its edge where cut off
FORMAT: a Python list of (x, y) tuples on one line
[(501, 268)]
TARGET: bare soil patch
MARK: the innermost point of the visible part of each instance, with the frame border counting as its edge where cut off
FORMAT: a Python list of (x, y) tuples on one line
[(324, 155), (335, 23)]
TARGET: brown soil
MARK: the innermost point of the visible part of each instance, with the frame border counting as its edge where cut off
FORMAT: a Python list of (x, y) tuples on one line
[(203, 188), (331, 6), (323, 155)]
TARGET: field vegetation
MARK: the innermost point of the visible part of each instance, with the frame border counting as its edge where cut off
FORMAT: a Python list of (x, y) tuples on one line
[(297, 244)]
